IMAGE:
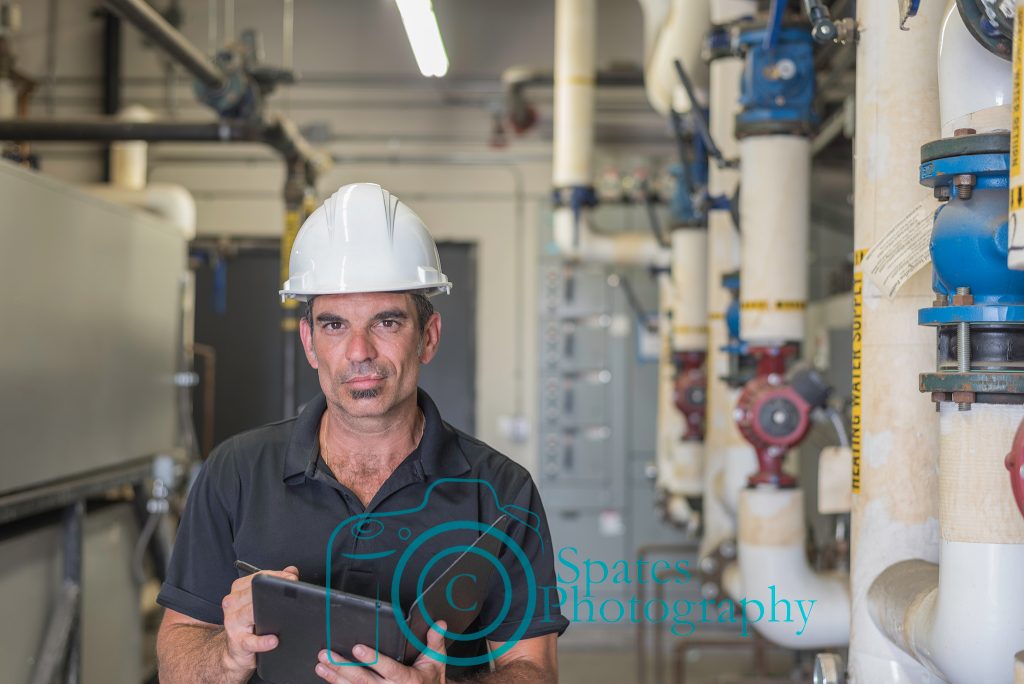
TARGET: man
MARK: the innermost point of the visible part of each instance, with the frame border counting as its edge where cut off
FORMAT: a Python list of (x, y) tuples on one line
[(371, 445)]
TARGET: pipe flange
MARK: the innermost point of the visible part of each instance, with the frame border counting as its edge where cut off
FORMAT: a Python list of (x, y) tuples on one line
[(961, 145), (974, 387), (747, 125), (980, 313)]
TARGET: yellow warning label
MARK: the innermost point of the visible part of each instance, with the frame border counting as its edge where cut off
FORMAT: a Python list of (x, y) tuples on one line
[(780, 305), (1018, 55), (858, 256), (716, 316), (1016, 198), (688, 329), (858, 332)]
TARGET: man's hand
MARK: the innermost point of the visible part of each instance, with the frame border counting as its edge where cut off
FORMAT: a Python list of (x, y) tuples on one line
[(385, 670), (239, 623)]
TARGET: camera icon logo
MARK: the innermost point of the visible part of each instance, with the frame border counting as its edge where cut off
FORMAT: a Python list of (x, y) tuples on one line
[(476, 546)]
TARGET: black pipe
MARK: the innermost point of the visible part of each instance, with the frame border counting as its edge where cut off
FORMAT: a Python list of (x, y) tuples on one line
[(149, 21), (111, 74), (111, 63), (611, 78), (107, 130)]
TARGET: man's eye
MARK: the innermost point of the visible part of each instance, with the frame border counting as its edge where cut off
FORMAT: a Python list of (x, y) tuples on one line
[(389, 323), (333, 325)]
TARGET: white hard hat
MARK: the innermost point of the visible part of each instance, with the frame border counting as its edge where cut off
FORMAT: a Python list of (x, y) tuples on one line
[(363, 239)]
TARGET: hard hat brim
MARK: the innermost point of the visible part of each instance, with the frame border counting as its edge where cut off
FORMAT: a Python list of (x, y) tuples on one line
[(428, 290)]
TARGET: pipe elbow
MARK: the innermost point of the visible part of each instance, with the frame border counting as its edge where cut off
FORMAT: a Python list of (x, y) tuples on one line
[(679, 36), (788, 602), (168, 201), (954, 618), (175, 203), (575, 239), (975, 86)]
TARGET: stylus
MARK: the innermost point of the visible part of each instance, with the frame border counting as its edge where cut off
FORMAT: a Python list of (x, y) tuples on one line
[(247, 568)]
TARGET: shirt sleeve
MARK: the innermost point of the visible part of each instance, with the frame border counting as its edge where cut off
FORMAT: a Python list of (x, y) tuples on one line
[(528, 528), (202, 570)]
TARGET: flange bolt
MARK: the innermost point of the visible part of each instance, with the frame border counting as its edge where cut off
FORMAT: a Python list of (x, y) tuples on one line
[(963, 346), (965, 185)]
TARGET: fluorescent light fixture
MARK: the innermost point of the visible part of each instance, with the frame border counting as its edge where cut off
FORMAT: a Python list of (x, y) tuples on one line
[(424, 36)]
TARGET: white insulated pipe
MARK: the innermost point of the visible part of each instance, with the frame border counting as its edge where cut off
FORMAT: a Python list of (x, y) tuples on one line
[(128, 159), (575, 239), (678, 463), (775, 216), (963, 618), (683, 327), (678, 36), (575, 68), (773, 566), (728, 458), (895, 428), (690, 287), (975, 86), (166, 200)]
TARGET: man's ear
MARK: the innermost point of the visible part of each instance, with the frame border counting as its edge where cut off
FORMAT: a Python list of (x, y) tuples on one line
[(306, 335), (431, 338)]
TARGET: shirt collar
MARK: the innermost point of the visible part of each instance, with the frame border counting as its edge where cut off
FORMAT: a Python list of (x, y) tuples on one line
[(439, 452)]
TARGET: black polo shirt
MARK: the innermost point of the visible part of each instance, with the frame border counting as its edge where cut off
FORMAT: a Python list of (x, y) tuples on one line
[(267, 497)]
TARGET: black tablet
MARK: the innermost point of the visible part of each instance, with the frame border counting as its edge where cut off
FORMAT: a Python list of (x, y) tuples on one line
[(295, 612)]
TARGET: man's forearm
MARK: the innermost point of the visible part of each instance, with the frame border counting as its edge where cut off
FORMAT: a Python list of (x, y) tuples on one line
[(189, 653), (514, 673)]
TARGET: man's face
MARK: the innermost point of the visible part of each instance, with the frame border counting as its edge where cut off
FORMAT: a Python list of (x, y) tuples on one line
[(367, 349)]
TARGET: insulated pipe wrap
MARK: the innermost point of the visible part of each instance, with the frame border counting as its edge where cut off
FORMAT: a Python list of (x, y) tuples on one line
[(976, 503), (728, 458), (775, 216), (679, 464), (575, 28), (895, 511), (690, 282)]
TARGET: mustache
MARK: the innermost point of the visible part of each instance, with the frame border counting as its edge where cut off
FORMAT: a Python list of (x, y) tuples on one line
[(365, 369)]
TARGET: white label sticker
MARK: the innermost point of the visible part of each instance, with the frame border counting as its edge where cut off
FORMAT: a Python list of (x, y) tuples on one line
[(902, 251)]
